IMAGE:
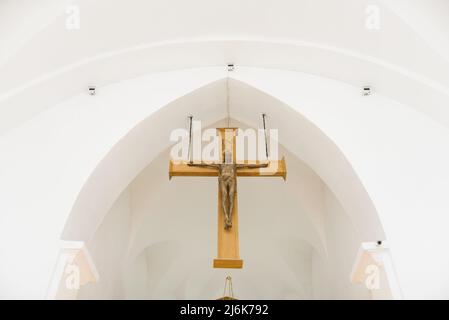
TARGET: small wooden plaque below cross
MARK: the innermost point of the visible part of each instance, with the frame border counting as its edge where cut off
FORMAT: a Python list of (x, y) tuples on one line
[(228, 255)]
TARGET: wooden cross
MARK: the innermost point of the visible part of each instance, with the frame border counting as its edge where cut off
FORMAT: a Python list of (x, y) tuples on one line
[(228, 239)]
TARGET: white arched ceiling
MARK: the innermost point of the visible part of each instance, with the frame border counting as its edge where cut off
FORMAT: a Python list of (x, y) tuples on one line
[(122, 133), (46, 64), (428, 19), (38, 15), (141, 145), (51, 163)]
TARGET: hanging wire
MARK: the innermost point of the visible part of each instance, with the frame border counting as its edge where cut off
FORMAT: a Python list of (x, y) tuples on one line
[(265, 134), (228, 284), (190, 139), (228, 111)]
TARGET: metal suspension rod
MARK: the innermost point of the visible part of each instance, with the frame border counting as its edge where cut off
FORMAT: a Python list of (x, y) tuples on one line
[(228, 110), (190, 139), (265, 134)]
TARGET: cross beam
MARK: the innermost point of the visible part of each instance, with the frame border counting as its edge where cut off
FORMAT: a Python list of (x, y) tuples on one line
[(182, 169)]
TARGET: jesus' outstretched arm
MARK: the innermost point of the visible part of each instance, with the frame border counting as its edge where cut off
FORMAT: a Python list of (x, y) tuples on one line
[(204, 165)]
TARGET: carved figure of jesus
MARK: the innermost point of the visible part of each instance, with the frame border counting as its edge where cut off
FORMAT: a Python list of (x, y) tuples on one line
[(227, 178)]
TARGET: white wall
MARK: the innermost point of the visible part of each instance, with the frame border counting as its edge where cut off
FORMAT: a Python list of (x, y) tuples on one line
[(108, 250), (331, 275)]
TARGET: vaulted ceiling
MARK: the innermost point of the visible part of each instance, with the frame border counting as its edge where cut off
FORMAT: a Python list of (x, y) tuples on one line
[(43, 62)]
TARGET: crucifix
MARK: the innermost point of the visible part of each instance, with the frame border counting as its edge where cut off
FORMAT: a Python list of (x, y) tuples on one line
[(227, 171)]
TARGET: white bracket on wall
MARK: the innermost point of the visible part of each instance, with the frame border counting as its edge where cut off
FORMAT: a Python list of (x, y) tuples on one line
[(374, 269), (74, 269)]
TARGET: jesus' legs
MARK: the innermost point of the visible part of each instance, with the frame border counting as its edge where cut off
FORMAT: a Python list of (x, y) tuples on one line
[(231, 193), (224, 202)]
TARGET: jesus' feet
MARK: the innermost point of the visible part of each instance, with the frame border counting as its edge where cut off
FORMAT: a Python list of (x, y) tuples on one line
[(228, 224)]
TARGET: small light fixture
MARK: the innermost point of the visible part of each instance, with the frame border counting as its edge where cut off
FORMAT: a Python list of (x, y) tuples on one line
[(366, 91), (92, 90), (231, 67)]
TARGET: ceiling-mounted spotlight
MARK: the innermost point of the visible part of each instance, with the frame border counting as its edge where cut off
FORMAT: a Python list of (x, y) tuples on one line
[(92, 90), (366, 91), (231, 67)]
